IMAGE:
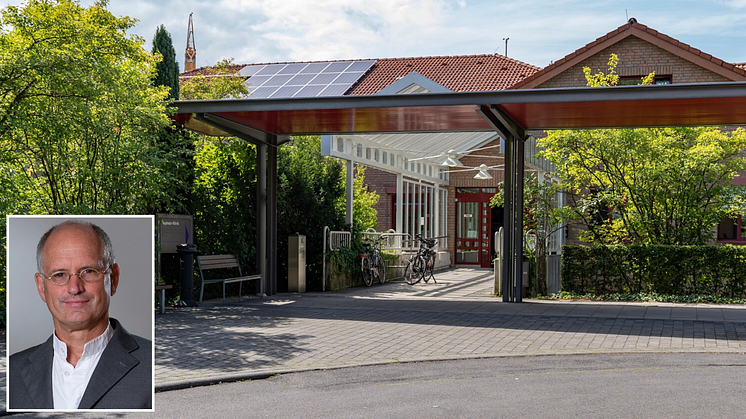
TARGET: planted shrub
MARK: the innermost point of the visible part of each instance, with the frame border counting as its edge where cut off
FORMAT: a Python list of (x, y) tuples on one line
[(660, 269)]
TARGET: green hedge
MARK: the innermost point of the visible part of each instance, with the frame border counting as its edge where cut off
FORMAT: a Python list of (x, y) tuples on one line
[(679, 270)]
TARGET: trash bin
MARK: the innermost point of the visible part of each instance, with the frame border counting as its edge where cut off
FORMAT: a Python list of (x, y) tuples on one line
[(297, 263), (186, 274)]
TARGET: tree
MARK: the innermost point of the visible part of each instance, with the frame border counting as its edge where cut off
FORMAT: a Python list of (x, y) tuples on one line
[(78, 113), (310, 188), (364, 214), (224, 174), (221, 81), (542, 217), (167, 70), (173, 139), (650, 186)]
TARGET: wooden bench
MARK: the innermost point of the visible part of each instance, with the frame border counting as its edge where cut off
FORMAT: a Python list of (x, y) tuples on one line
[(206, 263)]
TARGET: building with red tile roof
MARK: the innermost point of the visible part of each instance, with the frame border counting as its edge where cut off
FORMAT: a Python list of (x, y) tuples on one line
[(641, 50), (465, 73)]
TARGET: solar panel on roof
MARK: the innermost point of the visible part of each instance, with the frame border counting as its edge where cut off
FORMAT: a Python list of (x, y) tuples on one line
[(293, 68), (278, 80), (250, 70), (336, 67), (332, 78), (286, 91), (348, 78), (324, 79), (263, 92), (314, 68), (335, 90), (301, 79), (309, 91), (360, 65), (270, 70)]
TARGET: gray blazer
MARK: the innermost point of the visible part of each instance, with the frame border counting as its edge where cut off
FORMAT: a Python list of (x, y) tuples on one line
[(123, 378)]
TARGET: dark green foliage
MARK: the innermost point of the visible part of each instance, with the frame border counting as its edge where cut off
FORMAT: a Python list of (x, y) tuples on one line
[(225, 200), (346, 261), (672, 270), (309, 189), (167, 71), (649, 297), (224, 197)]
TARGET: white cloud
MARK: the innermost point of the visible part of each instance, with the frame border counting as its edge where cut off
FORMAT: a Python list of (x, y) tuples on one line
[(333, 29), (540, 31)]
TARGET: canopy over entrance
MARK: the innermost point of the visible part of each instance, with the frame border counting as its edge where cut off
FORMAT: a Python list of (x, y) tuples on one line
[(536, 109), (511, 113)]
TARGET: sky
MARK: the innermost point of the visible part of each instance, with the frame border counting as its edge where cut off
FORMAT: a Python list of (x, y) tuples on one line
[(538, 31)]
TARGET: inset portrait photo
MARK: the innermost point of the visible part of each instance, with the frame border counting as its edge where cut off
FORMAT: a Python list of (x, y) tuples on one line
[(80, 313)]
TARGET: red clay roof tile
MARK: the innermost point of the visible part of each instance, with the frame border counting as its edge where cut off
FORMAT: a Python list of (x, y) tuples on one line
[(467, 73)]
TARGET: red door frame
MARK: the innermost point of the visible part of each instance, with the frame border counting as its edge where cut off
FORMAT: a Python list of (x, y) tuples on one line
[(483, 243)]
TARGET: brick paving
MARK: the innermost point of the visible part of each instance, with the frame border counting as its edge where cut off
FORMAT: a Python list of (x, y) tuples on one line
[(453, 319)]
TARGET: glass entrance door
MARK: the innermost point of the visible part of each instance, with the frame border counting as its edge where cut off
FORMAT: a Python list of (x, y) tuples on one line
[(475, 227), (473, 234), (467, 233)]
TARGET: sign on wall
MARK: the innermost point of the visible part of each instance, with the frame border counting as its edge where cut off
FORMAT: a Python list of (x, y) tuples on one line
[(173, 230)]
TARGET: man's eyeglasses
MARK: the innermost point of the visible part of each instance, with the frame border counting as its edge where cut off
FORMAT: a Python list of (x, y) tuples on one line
[(86, 274)]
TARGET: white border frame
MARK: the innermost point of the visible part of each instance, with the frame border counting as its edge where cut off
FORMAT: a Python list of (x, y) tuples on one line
[(131, 315)]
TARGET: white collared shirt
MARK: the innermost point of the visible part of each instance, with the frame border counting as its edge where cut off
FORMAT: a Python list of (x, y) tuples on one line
[(68, 382)]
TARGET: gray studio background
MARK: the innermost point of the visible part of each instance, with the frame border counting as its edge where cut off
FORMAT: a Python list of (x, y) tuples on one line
[(29, 321)]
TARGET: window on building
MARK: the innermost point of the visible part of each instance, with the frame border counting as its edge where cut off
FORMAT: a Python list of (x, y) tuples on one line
[(634, 80), (425, 210), (732, 229)]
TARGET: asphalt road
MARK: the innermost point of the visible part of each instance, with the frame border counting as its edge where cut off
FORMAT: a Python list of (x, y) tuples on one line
[(570, 386)]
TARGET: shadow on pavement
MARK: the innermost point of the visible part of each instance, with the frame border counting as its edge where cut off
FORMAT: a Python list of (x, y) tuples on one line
[(229, 338), (607, 318)]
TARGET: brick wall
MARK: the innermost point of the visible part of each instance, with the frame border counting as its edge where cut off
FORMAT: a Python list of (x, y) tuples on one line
[(466, 179), (380, 181), (636, 58)]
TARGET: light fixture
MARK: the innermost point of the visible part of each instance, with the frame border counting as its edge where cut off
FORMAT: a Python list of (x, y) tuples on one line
[(452, 159), (483, 172)]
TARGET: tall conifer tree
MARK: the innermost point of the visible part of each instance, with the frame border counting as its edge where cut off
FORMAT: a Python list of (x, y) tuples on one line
[(167, 71)]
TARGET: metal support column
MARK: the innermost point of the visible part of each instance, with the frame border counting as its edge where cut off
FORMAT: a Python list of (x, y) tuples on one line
[(515, 137), (399, 203), (517, 156), (272, 217), (508, 222), (261, 213), (350, 192)]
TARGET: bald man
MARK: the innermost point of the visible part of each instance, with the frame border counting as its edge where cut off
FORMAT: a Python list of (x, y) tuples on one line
[(90, 361)]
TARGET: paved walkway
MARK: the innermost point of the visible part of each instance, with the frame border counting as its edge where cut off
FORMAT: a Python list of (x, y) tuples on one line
[(453, 319)]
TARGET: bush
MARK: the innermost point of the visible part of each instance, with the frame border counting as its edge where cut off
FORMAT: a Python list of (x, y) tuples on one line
[(655, 269)]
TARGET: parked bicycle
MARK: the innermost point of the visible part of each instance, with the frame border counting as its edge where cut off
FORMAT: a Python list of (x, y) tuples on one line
[(420, 265), (372, 263)]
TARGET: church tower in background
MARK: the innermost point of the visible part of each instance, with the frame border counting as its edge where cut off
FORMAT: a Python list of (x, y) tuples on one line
[(190, 57)]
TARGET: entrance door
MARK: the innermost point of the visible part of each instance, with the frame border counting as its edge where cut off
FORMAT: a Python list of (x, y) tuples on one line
[(474, 227)]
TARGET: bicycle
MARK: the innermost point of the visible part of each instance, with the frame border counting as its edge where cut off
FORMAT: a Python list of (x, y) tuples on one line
[(372, 263), (420, 266)]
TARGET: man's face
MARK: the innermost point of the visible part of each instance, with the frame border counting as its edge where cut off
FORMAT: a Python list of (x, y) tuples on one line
[(76, 305)]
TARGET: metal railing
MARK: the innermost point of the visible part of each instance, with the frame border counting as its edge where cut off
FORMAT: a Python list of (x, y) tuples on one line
[(392, 240), (333, 239)]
